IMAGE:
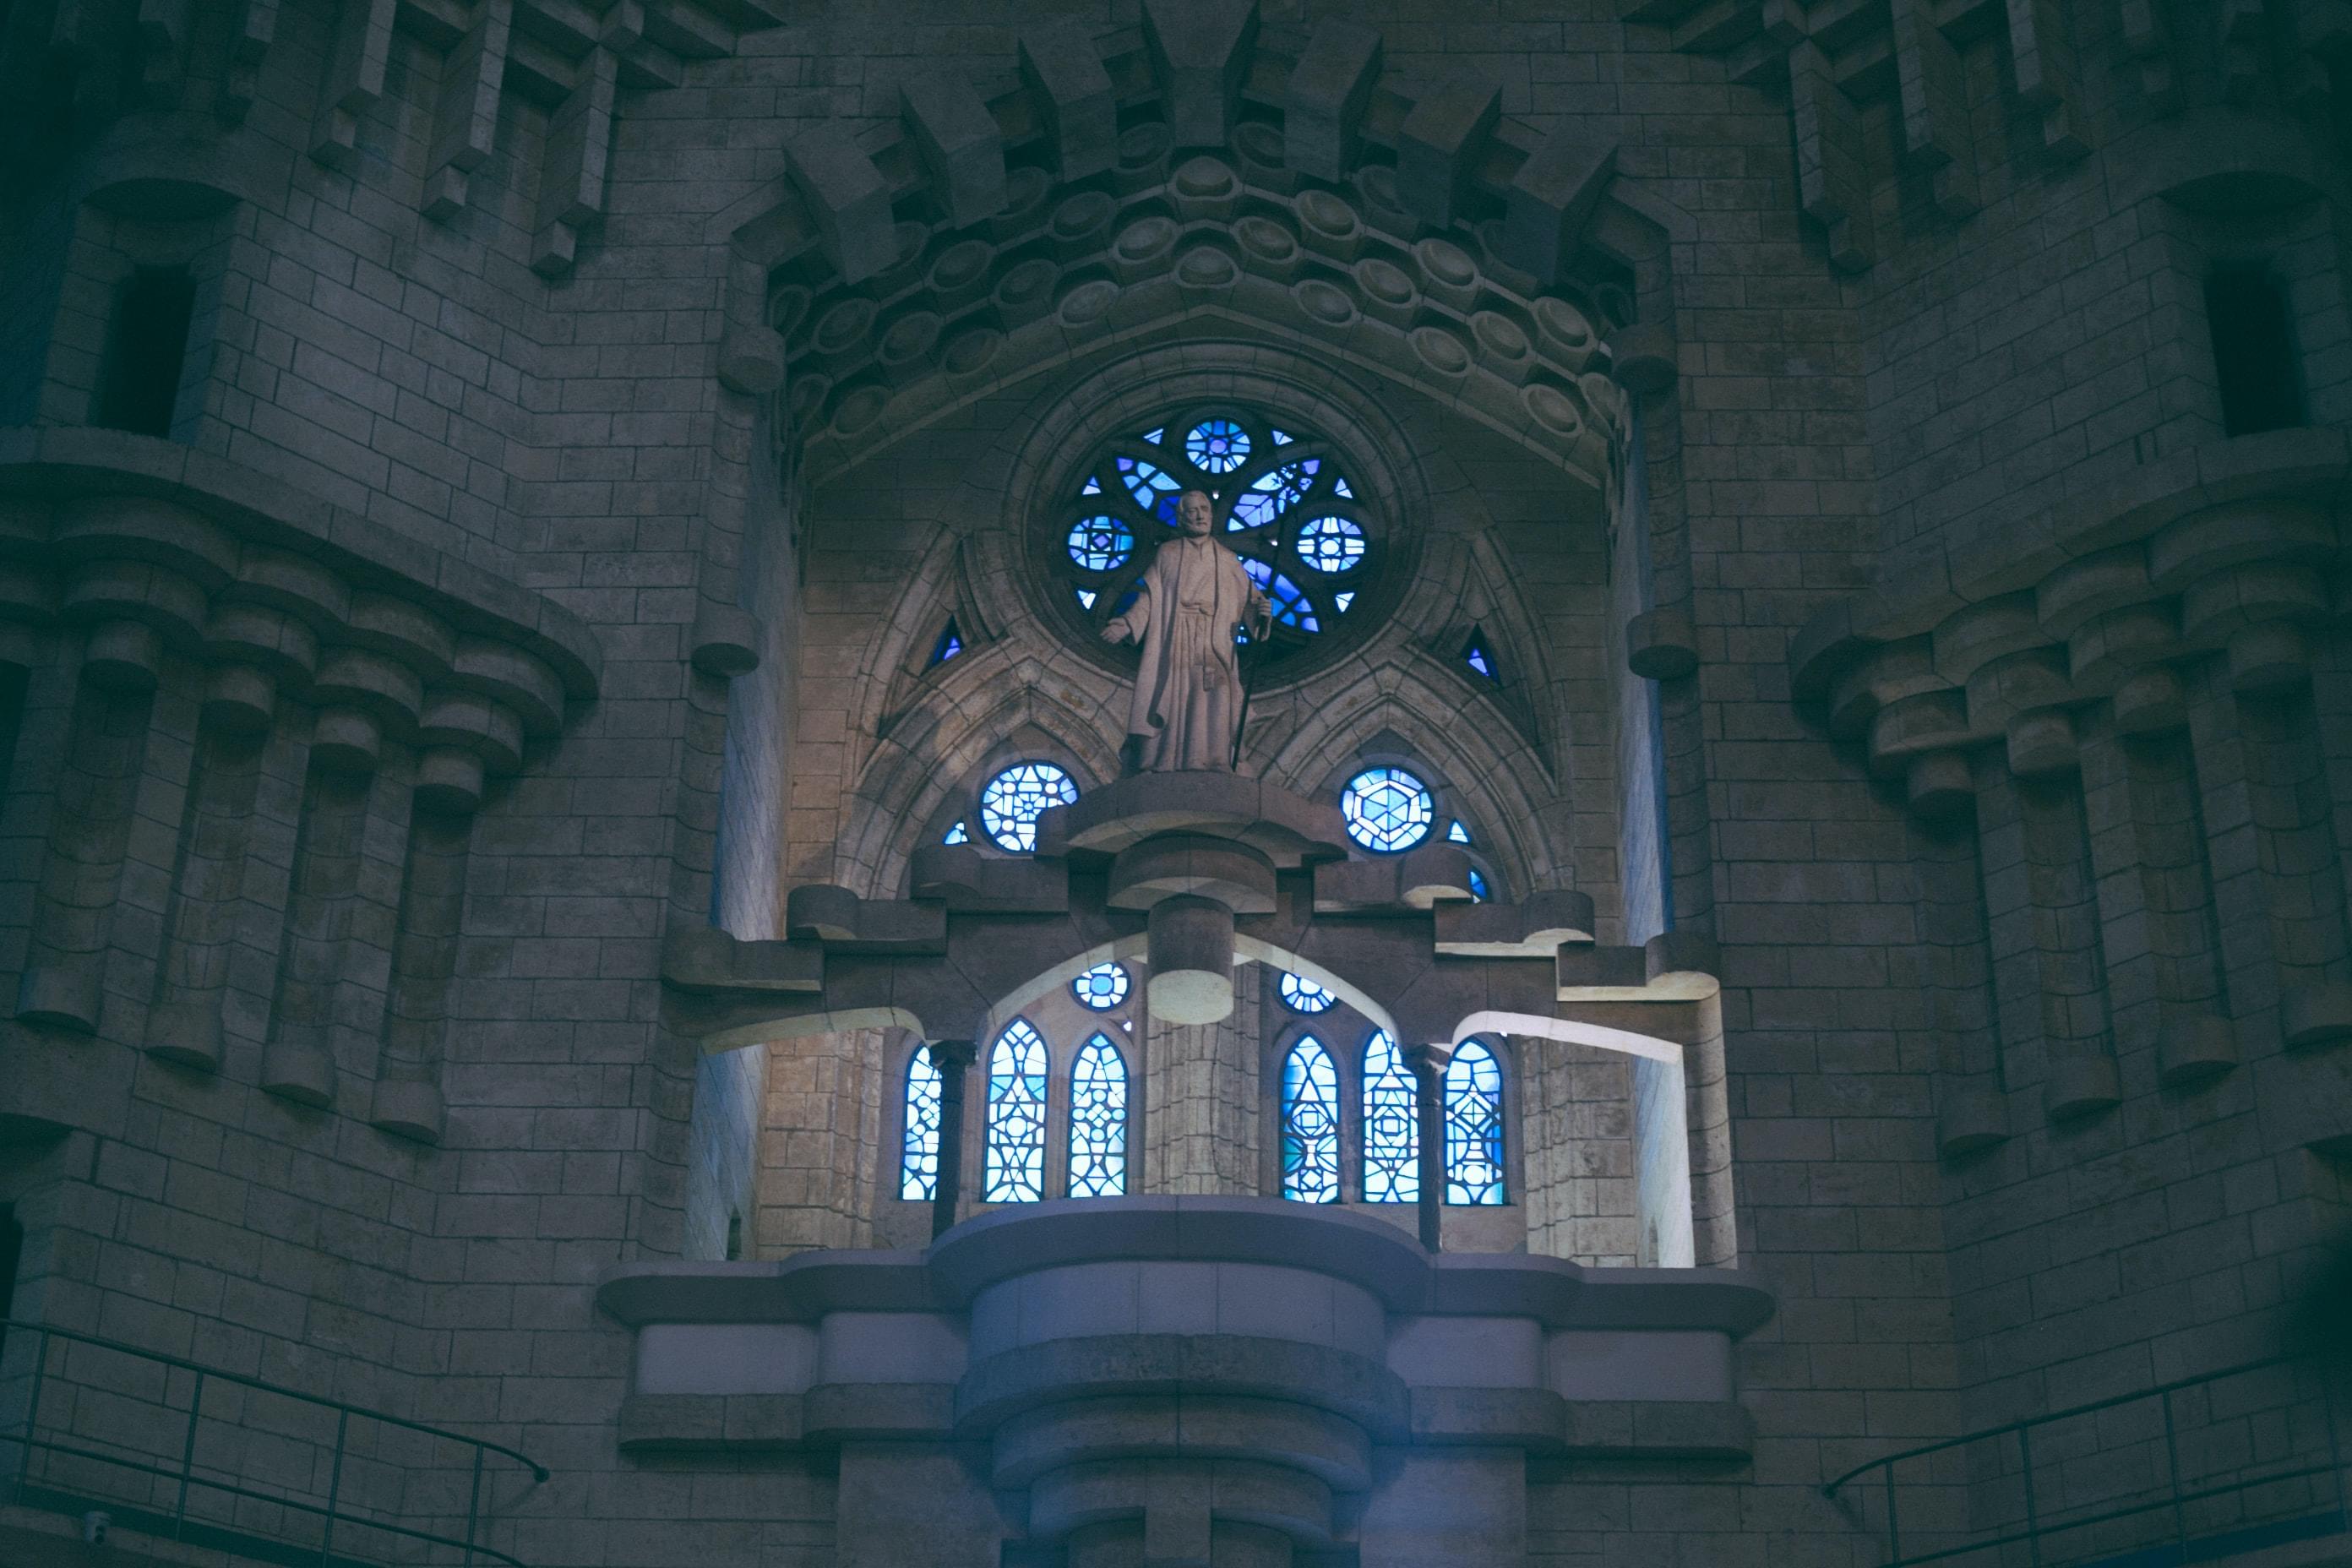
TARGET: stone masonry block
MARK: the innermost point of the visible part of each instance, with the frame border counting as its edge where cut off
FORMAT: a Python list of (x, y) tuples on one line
[(959, 142), (1324, 101), (1200, 50), (1552, 195), (1441, 141), (1075, 98), (848, 200)]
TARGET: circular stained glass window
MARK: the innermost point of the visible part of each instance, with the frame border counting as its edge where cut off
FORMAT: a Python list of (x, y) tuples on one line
[(1305, 997), (1387, 809), (1282, 500), (1217, 445), (1101, 988), (1010, 803), (1332, 543), (1101, 543)]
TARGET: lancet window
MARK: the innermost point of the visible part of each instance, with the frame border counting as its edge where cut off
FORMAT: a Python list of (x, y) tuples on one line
[(1098, 1121), (1016, 1168), (1472, 1100), (1391, 1125), (1310, 1125), (918, 1156)]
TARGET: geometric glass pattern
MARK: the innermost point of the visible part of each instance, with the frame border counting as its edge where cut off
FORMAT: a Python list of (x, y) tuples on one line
[(1387, 809), (1304, 996), (1101, 988), (1456, 832), (950, 644), (1273, 493), (1153, 489), (1278, 500), (1100, 543), (1291, 607), (1391, 1125), (1332, 543), (956, 834), (1011, 803), (919, 1158), (1475, 654), (1478, 884), (1217, 445), (1310, 1125), (1474, 1127), (1098, 1122), (1017, 1117)]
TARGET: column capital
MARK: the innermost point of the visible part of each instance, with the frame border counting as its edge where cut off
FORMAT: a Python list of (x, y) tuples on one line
[(945, 1054)]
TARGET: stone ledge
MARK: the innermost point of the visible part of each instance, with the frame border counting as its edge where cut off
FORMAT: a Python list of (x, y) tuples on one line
[(69, 463)]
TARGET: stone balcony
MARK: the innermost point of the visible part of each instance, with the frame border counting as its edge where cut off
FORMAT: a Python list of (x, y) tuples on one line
[(1223, 1379)]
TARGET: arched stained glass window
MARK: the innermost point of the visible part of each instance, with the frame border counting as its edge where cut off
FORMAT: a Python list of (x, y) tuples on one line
[(1101, 988), (1010, 803), (1391, 1125), (1304, 996), (1387, 809), (1015, 1172), (1098, 1121), (1310, 1125), (918, 1155), (1474, 1127)]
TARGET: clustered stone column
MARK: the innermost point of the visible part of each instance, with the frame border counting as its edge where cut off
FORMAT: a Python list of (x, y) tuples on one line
[(952, 1060)]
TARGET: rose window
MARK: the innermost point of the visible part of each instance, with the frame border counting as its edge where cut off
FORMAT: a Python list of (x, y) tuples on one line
[(1283, 500)]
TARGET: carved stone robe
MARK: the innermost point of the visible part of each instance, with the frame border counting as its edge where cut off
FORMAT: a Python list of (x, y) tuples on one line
[(1188, 695)]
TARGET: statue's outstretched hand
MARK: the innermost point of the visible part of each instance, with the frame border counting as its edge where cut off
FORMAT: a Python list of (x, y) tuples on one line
[(1115, 632)]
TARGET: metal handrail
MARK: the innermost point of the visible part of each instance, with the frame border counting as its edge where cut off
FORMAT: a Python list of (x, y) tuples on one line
[(2174, 1498), (186, 1475)]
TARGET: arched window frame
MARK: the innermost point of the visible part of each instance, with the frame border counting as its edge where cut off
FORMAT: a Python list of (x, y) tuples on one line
[(921, 1104), (1387, 1162), (1290, 1043), (1456, 1087), (1012, 1165), (1098, 1166)]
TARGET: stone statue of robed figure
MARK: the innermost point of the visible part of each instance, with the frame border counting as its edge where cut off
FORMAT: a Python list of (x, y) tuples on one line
[(1187, 710)]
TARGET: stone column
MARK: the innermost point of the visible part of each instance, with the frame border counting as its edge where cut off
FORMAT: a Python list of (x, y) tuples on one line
[(1201, 1100), (1428, 1064), (953, 1060), (815, 1180)]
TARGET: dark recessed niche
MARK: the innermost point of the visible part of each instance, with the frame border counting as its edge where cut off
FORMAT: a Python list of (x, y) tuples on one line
[(145, 349), (2254, 359)]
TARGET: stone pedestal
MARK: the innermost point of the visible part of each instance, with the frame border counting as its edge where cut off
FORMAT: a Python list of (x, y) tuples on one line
[(1201, 1135)]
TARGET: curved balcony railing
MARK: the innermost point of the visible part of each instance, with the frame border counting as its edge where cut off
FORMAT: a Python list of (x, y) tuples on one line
[(217, 1459), (2196, 1470)]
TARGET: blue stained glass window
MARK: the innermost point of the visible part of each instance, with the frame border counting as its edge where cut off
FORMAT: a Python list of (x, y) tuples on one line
[(1217, 445), (1279, 438), (956, 834), (1272, 493), (1305, 997), (1332, 543), (1291, 606), (1086, 598), (950, 643), (1339, 488), (1154, 436), (1100, 543), (1153, 488), (1098, 1122), (918, 1157), (1015, 1172), (1387, 809), (1478, 884), (1093, 487), (1474, 1127), (1310, 1125), (1102, 987), (1343, 600), (1475, 654), (1391, 1125), (1456, 832), (1010, 803)]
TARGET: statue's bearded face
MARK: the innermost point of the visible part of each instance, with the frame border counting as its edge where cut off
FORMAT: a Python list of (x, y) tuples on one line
[(1194, 513)]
